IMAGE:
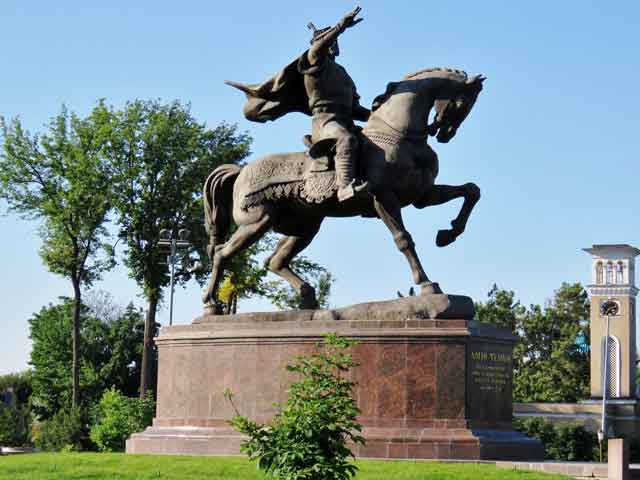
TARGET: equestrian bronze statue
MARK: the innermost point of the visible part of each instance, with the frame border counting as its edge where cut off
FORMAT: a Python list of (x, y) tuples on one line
[(346, 171)]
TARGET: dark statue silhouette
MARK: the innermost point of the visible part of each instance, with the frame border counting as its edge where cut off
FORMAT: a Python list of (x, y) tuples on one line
[(347, 171)]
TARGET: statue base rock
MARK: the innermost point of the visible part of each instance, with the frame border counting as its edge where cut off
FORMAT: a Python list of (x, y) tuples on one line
[(428, 387)]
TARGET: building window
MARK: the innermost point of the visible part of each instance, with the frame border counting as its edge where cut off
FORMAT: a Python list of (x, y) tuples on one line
[(609, 279), (599, 273), (619, 273), (612, 350)]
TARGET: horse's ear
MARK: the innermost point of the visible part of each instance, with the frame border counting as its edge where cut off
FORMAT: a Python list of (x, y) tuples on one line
[(475, 82), (477, 78)]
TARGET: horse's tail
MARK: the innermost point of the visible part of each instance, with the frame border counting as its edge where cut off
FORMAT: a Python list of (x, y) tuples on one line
[(218, 204)]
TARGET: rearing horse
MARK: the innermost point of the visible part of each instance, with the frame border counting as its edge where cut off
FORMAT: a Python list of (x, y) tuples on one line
[(396, 160)]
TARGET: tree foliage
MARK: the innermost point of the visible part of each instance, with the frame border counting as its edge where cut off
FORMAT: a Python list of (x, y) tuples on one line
[(15, 425), (551, 363), (20, 384), (307, 438), (160, 156), (15, 413), (111, 356), (65, 430), (60, 179)]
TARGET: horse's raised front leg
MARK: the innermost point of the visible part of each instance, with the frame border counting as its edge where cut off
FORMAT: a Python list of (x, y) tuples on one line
[(388, 208), (440, 194)]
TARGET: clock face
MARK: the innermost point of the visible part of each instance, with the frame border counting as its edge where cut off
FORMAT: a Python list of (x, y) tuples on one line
[(610, 307)]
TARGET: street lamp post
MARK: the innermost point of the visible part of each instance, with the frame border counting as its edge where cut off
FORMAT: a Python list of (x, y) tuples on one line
[(608, 309), (174, 245)]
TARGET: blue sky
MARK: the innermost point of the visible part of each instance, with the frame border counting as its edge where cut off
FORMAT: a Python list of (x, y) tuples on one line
[(552, 141)]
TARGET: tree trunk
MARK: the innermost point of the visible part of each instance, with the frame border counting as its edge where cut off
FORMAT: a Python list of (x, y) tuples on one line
[(77, 304), (148, 355)]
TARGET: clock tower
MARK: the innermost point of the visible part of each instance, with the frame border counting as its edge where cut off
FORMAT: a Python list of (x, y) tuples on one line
[(613, 278)]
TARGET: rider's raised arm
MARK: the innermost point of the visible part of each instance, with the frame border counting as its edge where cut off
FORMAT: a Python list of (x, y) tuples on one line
[(320, 48)]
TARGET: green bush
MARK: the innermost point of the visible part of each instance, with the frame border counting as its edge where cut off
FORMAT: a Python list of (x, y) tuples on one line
[(307, 438), (561, 441), (118, 417), (15, 426), (63, 431)]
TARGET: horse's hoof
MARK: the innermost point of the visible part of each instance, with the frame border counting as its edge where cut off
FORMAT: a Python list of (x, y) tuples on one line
[(308, 297), (445, 237)]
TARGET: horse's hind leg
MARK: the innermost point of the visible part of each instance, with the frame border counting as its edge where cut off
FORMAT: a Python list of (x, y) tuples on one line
[(388, 208), (287, 248), (245, 236), (440, 194)]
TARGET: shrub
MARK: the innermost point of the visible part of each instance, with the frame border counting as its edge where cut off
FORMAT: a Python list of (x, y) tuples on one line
[(561, 441), (118, 417), (574, 443), (15, 426), (307, 437), (20, 384), (63, 431)]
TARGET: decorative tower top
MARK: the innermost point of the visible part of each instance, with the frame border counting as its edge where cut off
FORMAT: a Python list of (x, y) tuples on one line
[(613, 269), (613, 320)]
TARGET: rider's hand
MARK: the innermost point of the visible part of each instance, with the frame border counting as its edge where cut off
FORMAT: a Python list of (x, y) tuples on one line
[(349, 20)]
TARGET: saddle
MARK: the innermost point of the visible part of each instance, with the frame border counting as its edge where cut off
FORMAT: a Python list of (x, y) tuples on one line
[(311, 177)]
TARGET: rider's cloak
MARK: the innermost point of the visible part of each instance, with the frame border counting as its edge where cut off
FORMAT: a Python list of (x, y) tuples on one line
[(281, 94)]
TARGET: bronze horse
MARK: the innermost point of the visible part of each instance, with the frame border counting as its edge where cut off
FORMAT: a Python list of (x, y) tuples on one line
[(395, 158)]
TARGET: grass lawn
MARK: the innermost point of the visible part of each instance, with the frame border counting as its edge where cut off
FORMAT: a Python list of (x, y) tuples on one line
[(96, 466)]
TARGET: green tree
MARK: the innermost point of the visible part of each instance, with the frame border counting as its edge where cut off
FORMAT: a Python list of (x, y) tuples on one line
[(551, 363), (160, 155), (555, 365), (59, 178), (307, 438), (15, 417), (501, 309), (111, 356), (20, 385), (15, 423)]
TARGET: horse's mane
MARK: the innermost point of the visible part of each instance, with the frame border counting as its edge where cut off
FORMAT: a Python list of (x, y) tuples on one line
[(438, 72), (431, 72)]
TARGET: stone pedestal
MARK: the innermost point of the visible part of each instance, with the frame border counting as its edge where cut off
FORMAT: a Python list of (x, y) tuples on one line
[(427, 388)]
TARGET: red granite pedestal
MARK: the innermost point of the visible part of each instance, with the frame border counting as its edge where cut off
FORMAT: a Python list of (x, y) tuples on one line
[(426, 388)]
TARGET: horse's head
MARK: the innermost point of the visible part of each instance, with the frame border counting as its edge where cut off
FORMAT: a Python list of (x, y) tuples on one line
[(453, 104), (451, 91)]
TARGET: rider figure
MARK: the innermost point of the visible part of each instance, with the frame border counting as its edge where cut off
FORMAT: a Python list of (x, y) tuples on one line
[(334, 102)]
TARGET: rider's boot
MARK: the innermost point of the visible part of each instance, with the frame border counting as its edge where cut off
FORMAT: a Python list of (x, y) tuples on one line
[(348, 186)]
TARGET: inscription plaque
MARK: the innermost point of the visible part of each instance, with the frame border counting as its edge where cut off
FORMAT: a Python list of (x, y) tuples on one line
[(489, 382)]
